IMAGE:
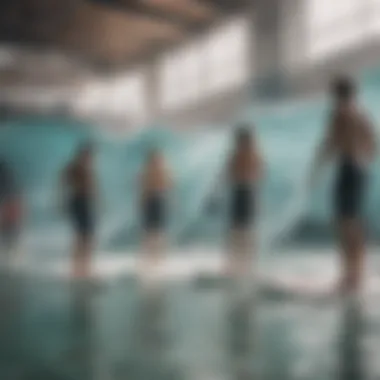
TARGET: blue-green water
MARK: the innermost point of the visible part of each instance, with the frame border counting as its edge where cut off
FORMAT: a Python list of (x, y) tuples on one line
[(50, 330)]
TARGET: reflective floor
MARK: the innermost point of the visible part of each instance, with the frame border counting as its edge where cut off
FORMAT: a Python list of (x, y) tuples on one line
[(180, 329)]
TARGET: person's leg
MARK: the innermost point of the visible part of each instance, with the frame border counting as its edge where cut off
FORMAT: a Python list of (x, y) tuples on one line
[(149, 247), (157, 247), (154, 244), (152, 260), (239, 261), (244, 264), (353, 251), (239, 255), (231, 267), (247, 238), (9, 237), (357, 254), (84, 227), (82, 256), (77, 257), (352, 196), (87, 256)]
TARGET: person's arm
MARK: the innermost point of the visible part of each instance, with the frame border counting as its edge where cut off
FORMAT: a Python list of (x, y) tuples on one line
[(370, 138), (258, 165), (96, 193), (169, 178), (142, 185)]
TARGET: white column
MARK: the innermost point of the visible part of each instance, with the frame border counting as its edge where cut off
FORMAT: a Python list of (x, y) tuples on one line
[(152, 80), (279, 34)]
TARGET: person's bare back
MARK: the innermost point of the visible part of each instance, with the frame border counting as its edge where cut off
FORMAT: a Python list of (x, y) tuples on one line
[(245, 165), (352, 135), (79, 179), (155, 178)]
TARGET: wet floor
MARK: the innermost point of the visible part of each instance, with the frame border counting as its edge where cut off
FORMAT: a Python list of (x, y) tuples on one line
[(51, 329)]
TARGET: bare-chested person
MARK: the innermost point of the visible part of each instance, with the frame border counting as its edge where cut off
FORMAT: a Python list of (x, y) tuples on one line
[(78, 178), (244, 172), (155, 184), (350, 138)]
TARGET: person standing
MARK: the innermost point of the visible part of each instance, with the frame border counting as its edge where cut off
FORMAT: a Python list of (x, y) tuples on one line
[(155, 185), (349, 138), (78, 179), (244, 172)]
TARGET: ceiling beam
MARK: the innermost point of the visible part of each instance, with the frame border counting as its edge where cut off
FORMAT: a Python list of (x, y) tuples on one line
[(226, 6), (141, 9)]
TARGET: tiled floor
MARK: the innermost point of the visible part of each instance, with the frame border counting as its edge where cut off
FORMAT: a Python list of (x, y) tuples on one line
[(184, 329)]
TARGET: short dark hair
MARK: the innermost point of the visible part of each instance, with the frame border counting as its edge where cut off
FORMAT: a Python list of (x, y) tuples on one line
[(343, 87), (152, 152), (83, 149), (242, 133)]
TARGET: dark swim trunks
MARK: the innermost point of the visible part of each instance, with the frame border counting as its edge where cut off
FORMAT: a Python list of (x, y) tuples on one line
[(81, 212), (242, 205), (349, 189), (154, 212)]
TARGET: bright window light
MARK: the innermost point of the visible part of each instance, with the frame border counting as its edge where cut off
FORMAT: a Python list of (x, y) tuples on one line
[(89, 99), (127, 95), (168, 81), (375, 16), (181, 77), (190, 75), (211, 65), (227, 56), (335, 25), (122, 96)]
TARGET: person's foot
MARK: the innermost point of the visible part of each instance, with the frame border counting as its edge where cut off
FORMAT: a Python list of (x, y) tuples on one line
[(348, 288), (87, 282), (232, 271)]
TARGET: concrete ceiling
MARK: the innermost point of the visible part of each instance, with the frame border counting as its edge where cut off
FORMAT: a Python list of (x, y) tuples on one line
[(107, 33), (65, 42)]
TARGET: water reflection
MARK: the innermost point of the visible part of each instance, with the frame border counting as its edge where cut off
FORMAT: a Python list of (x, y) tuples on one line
[(351, 365), (82, 322), (153, 338), (12, 334), (240, 337)]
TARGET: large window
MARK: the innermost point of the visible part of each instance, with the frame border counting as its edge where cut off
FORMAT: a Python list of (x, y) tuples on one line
[(227, 56), (334, 25), (121, 97), (375, 15), (126, 96), (214, 64), (181, 77)]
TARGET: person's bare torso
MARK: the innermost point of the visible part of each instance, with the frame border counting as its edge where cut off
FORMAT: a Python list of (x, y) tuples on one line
[(155, 180), (80, 180), (244, 167), (352, 135)]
